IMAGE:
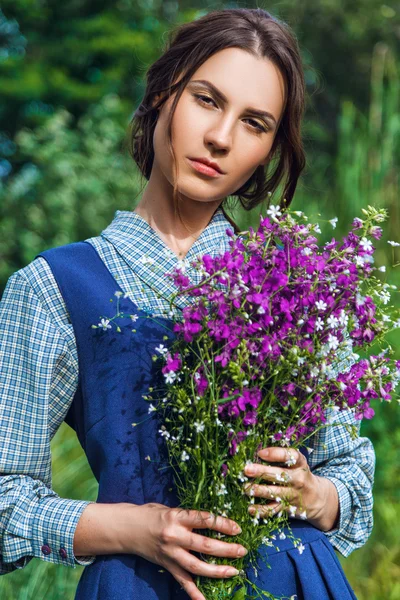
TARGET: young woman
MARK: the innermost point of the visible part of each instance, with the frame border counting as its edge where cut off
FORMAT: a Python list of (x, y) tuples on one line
[(221, 116)]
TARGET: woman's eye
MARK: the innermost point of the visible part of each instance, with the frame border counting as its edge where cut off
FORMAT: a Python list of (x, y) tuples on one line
[(257, 126), (202, 98)]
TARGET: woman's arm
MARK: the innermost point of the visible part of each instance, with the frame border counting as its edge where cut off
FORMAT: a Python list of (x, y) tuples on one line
[(350, 466), (37, 384)]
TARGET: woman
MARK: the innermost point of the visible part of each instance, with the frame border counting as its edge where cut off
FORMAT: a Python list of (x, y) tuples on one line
[(228, 91)]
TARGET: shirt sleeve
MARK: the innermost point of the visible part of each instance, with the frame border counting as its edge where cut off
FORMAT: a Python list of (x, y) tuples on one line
[(35, 383), (350, 465)]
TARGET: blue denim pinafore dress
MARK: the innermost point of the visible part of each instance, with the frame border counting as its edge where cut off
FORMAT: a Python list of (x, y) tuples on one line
[(130, 462)]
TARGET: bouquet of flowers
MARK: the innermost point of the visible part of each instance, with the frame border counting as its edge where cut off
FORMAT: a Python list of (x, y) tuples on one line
[(255, 360)]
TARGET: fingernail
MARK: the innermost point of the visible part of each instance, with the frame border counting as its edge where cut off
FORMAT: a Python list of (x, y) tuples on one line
[(242, 552), (232, 571), (237, 529)]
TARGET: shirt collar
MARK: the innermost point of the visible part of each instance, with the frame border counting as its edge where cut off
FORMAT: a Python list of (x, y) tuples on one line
[(150, 258)]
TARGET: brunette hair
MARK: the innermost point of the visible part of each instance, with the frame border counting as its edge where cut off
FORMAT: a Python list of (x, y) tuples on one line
[(189, 45)]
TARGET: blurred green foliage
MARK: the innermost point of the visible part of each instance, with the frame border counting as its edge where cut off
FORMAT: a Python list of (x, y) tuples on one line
[(70, 77)]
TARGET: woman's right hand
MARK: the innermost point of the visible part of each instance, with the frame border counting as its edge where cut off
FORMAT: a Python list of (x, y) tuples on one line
[(165, 537)]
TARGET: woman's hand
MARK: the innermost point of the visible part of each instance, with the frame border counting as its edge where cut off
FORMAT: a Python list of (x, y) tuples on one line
[(311, 497), (165, 537)]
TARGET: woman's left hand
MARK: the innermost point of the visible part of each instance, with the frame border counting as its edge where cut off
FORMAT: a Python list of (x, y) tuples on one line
[(311, 497)]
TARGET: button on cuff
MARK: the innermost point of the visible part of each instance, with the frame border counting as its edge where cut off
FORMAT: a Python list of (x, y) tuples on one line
[(46, 549)]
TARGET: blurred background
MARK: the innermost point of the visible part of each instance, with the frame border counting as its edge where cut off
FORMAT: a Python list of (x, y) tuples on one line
[(71, 76)]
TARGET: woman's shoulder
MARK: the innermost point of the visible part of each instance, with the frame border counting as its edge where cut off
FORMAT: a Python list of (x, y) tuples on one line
[(37, 278)]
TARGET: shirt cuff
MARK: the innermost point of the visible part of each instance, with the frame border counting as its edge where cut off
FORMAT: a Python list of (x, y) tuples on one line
[(44, 530), (345, 506)]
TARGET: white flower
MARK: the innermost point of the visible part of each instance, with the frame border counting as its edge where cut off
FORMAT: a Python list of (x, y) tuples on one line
[(282, 536), (333, 322), (301, 548), (134, 318), (321, 305), (319, 324), (164, 433), (303, 515), (360, 260), (152, 408), (274, 211), (170, 377), (221, 490), (383, 269), (236, 291), (333, 222), (185, 456), (366, 244), (182, 265), (360, 300), (292, 510), (384, 296), (333, 342), (161, 349), (292, 458), (393, 243), (317, 228), (118, 294), (199, 426), (306, 251), (104, 323)]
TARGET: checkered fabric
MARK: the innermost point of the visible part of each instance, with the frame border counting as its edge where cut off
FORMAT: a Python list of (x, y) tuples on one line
[(39, 377)]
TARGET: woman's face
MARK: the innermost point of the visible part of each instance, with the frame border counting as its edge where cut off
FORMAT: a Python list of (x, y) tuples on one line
[(226, 132)]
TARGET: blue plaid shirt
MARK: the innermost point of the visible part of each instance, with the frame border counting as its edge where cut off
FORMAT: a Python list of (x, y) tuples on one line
[(39, 377)]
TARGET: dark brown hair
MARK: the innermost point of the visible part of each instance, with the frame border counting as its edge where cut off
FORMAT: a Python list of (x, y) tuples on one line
[(189, 45)]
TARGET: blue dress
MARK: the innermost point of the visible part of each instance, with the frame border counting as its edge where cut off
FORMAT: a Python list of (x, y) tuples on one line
[(115, 371)]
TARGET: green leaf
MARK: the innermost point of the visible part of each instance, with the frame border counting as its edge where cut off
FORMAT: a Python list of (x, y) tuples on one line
[(240, 594)]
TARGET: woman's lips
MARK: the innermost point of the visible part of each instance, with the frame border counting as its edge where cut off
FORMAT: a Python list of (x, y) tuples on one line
[(205, 169)]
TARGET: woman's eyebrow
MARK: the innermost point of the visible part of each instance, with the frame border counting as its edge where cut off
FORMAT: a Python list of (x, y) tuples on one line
[(224, 99)]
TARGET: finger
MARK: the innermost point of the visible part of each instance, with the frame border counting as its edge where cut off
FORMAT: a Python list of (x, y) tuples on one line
[(207, 545), (185, 580), (268, 491), (275, 508), (270, 473), (191, 563), (290, 456), (201, 519), (265, 510)]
